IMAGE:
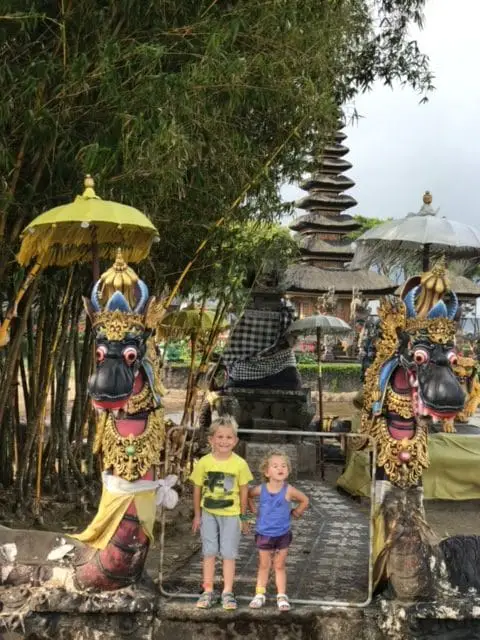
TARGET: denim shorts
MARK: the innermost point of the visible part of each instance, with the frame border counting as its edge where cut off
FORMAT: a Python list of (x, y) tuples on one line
[(273, 543), (220, 535)]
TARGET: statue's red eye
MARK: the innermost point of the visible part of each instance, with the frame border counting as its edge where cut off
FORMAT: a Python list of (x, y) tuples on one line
[(452, 358), (420, 356), (130, 355), (101, 353)]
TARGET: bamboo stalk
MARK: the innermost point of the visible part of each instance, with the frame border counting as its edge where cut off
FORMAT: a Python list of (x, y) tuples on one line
[(231, 208), (43, 403), (12, 311)]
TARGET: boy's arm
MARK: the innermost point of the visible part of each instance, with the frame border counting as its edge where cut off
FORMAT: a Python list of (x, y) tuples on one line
[(197, 510), (253, 492), (301, 499), (243, 489)]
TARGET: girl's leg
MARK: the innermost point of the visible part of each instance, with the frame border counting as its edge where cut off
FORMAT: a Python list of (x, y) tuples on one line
[(264, 566), (280, 572)]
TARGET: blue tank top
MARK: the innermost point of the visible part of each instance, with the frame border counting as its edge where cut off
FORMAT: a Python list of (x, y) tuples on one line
[(273, 518)]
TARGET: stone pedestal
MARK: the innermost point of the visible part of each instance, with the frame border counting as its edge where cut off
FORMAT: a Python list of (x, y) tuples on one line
[(285, 410)]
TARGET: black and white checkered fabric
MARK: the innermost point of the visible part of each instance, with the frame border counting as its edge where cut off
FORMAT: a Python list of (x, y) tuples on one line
[(255, 348), (256, 368), (257, 332)]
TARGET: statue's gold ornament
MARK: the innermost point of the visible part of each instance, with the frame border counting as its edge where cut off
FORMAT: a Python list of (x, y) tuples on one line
[(142, 401), (130, 457), (439, 330), (120, 277), (399, 403), (403, 460), (115, 325)]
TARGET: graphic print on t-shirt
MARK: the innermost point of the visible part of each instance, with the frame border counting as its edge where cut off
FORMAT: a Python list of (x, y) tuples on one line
[(217, 488)]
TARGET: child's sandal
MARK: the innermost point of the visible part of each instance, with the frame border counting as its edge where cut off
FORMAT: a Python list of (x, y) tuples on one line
[(283, 603), (206, 600), (258, 601), (228, 601)]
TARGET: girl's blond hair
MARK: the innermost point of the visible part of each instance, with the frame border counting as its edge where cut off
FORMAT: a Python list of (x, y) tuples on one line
[(266, 461), (223, 421)]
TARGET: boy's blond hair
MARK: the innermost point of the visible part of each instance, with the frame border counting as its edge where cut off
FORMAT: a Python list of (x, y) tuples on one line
[(266, 461), (223, 421)]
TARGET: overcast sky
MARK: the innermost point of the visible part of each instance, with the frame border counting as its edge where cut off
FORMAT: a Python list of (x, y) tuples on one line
[(400, 148)]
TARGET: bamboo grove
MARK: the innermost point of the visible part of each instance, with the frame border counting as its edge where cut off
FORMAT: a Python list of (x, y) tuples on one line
[(181, 109)]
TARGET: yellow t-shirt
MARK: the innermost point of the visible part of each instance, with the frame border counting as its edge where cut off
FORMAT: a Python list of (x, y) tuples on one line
[(220, 481)]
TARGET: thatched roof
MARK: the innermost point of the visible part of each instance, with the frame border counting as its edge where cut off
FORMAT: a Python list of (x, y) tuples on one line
[(464, 288), (328, 201), (308, 278), (313, 220), (327, 182), (314, 244)]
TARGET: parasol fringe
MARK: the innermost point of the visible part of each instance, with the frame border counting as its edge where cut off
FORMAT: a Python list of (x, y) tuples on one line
[(61, 246)]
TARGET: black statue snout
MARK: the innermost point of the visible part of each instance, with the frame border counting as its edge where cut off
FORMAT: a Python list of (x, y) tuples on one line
[(118, 363)]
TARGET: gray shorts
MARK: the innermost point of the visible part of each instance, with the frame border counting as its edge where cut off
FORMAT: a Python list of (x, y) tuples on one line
[(220, 535)]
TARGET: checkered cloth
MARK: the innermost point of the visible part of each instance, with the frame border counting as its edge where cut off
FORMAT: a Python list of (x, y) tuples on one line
[(256, 348), (256, 368)]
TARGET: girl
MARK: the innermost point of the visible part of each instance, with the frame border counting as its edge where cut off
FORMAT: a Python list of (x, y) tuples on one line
[(273, 535)]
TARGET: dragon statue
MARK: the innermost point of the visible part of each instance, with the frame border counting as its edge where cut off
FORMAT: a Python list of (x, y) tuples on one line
[(126, 392), (410, 383)]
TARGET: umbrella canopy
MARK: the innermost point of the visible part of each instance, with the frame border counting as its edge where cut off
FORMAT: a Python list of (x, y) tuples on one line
[(328, 325), (421, 235), (70, 233), (186, 321)]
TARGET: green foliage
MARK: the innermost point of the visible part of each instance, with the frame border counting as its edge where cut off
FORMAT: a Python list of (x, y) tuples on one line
[(179, 108), (305, 358), (177, 351), (366, 225), (336, 368)]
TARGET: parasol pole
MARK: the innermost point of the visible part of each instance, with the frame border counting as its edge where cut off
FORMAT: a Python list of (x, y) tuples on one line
[(426, 256), (320, 400), (12, 310), (95, 257)]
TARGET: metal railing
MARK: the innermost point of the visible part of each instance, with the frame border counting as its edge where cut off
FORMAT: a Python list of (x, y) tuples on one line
[(297, 601)]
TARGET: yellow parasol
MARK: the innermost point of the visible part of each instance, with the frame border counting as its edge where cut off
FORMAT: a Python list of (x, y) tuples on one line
[(68, 234), (188, 321), (88, 228)]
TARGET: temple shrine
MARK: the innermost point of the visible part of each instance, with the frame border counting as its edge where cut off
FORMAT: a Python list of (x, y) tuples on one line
[(320, 277)]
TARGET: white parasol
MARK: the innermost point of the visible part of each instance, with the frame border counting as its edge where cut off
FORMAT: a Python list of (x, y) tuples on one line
[(418, 236)]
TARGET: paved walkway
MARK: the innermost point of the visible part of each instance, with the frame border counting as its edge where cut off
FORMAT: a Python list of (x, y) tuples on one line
[(328, 558)]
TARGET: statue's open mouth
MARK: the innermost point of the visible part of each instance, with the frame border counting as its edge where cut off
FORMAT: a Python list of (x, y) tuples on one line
[(110, 405)]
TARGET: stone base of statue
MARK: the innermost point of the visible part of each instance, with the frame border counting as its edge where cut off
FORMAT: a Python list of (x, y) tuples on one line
[(284, 409)]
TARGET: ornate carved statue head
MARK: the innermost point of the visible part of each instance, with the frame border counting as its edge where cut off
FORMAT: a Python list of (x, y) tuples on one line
[(119, 310)]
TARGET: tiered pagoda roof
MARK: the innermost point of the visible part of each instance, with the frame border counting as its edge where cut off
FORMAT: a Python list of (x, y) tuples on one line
[(322, 232)]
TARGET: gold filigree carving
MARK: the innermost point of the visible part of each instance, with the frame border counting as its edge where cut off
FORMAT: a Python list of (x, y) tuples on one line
[(399, 404), (115, 325), (130, 457), (142, 401), (439, 330), (403, 460)]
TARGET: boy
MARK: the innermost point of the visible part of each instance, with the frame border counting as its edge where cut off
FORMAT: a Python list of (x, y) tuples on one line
[(220, 497)]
